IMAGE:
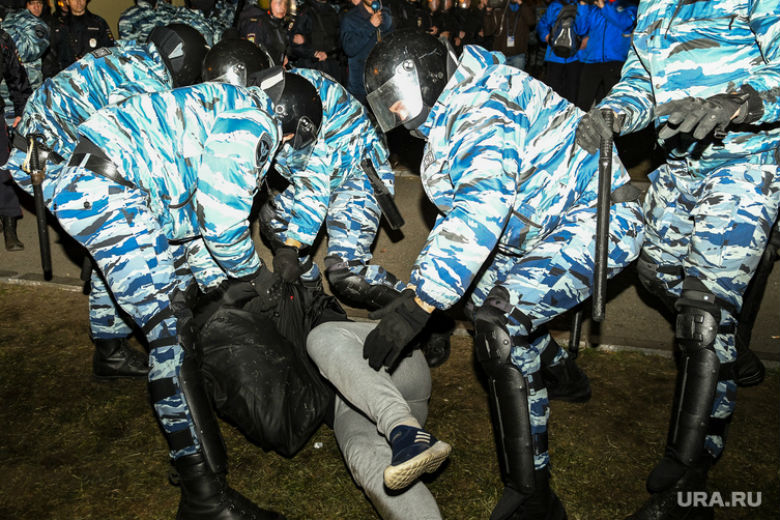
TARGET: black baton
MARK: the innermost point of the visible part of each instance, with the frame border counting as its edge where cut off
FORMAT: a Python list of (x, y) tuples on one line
[(383, 196), (602, 223), (36, 175)]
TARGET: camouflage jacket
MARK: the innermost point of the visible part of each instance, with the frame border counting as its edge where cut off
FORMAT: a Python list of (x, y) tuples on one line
[(501, 166), (345, 138)]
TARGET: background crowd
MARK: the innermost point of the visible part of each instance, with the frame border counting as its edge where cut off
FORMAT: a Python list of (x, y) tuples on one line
[(328, 35)]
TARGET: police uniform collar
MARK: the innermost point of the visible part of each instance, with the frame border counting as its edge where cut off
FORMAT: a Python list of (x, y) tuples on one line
[(472, 62)]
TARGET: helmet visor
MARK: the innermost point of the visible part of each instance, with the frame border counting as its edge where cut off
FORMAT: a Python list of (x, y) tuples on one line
[(235, 75), (302, 144), (399, 99), (305, 133)]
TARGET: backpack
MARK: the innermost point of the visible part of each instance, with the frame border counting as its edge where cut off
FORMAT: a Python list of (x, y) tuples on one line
[(256, 369), (563, 40)]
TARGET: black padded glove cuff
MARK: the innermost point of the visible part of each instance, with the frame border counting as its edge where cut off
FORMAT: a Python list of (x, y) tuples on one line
[(755, 105), (410, 311)]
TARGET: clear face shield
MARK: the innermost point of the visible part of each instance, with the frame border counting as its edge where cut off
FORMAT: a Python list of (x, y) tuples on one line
[(301, 146), (399, 99)]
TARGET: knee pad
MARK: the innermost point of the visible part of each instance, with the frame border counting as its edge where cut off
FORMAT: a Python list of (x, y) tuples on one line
[(698, 317), (492, 342)]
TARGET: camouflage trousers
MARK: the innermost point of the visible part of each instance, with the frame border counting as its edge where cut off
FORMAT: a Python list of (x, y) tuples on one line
[(106, 321), (552, 277), (22, 178), (351, 223), (714, 229), (141, 269)]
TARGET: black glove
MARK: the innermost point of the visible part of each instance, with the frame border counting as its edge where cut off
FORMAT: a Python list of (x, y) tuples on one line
[(268, 285), (593, 127), (264, 283), (235, 293), (701, 116), (401, 321), (286, 263)]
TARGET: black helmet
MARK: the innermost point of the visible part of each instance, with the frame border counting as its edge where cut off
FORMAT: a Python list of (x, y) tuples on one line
[(405, 73), (182, 49), (296, 103), (233, 60)]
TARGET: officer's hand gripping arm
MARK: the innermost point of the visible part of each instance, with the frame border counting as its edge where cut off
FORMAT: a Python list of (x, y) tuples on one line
[(401, 321)]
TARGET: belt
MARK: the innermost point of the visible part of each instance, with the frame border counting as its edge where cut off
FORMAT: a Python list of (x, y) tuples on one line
[(88, 156), (44, 154), (101, 166)]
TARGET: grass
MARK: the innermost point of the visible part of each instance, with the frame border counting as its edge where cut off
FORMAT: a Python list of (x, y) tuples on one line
[(71, 448)]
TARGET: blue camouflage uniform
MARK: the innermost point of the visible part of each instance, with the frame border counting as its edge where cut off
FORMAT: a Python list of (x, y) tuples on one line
[(710, 207), (66, 100), (333, 188), (210, 27), (137, 22), (31, 36), (501, 166), (188, 163)]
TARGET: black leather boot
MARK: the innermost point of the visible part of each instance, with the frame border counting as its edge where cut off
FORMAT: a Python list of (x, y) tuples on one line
[(205, 494), (540, 504), (114, 359), (12, 242), (749, 370), (565, 381), (675, 501)]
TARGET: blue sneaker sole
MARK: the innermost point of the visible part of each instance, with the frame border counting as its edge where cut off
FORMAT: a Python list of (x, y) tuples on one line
[(402, 475)]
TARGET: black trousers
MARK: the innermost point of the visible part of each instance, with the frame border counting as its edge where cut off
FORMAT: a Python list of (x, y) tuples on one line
[(564, 78), (9, 202), (596, 81)]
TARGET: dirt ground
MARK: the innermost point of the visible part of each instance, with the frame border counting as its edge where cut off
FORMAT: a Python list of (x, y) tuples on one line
[(71, 448)]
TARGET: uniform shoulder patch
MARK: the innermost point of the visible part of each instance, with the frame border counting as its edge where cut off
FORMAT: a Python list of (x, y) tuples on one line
[(101, 52), (263, 149), (427, 159)]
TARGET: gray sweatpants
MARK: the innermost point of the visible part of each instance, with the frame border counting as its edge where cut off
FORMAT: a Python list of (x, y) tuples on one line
[(370, 405)]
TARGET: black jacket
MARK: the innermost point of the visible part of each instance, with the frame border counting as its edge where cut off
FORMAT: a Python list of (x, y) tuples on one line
[(14, 75), (318, 23), (260, 27), (74, 36)]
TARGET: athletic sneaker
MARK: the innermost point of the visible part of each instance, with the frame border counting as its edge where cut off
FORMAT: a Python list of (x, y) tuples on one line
[(415, 452)]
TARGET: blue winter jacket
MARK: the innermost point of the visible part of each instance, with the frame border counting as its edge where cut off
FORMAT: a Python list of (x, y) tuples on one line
[(609, 31), (547, 21)]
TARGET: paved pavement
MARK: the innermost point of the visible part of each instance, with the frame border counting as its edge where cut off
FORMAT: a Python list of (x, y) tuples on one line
[(633, 319)]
